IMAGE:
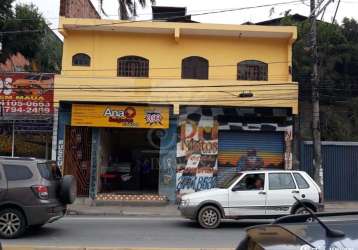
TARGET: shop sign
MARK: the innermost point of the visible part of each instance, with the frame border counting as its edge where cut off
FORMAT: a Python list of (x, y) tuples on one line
[(119, 116), (26, 94)]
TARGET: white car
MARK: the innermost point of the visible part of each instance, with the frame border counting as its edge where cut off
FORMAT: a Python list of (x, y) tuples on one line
[(253, 194)]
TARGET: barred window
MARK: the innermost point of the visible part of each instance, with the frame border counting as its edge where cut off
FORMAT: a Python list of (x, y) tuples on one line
[(195, 67), (81, 59), (133, 66), (252, 70)]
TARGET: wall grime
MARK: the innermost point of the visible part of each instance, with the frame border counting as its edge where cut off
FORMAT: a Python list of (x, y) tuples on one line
[(199, 159), (197, 151)]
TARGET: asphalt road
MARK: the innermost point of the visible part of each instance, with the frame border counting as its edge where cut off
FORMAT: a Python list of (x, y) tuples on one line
[(136, 232)]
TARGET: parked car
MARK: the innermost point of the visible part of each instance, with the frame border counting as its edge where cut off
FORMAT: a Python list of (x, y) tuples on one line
[(32, 193), (253, 194), (37, 84), (292, 233)]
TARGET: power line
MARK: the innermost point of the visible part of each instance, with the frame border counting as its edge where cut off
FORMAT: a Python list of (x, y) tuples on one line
[(335, 13), (150, 13), (148, 20), (167, 12), (177, 67)]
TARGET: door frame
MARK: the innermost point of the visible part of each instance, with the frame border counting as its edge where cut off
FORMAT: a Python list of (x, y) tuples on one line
[(264, 191)]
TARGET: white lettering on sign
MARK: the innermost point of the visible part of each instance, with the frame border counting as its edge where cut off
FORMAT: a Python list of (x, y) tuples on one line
[(60, 153), (153, 118), (114, 113)]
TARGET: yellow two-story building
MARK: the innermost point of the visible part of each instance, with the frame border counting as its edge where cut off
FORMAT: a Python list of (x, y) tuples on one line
[(152, 110)]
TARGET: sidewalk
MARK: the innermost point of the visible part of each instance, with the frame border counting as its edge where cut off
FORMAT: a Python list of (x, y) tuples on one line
[(20, 247), (152, 211), (341, 206), (170, 210)]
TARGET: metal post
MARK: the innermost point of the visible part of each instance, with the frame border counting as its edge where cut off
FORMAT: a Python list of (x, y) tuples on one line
[(46, 147), (316, 132), (13, 139)]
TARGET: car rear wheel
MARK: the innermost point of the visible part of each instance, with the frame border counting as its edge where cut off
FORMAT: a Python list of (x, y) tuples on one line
[(209, 217), (302, 210), (12, 223)]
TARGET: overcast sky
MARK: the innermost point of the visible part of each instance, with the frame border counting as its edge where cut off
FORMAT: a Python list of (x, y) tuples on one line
[(348, 8)]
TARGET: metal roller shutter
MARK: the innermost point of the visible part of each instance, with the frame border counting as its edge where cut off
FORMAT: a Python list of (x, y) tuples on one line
[(246, 150)]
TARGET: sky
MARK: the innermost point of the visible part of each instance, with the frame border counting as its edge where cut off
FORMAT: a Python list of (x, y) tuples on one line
[(348, 8)]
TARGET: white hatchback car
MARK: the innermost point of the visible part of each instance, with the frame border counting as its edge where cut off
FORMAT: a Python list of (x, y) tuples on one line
[(253, 194)]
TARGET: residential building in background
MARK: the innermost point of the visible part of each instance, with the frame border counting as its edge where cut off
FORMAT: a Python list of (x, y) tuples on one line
[(26, 114), (154, 110), (26, 101)]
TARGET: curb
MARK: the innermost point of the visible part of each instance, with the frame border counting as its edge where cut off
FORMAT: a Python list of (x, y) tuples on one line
[(121, 214), (101, 248)]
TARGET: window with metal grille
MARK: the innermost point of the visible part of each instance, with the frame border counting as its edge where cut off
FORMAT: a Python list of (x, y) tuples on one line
[(81, 59), (195, 67), (133, 66), (252, 70)]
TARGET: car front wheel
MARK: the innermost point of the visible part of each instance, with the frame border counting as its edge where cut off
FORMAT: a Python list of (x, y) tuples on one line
[(12, 223), (209, 217), (302, 210)]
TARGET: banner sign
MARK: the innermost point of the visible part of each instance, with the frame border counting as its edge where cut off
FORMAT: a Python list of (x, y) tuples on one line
[(197, 151), (26, 94), (119, 116)]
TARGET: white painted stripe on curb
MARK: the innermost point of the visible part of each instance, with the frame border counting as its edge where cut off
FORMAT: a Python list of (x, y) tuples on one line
[(112, 218), (9, 247)]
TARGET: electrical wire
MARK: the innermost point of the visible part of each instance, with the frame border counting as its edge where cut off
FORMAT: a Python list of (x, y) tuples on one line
[(146, 14), (149, 20)]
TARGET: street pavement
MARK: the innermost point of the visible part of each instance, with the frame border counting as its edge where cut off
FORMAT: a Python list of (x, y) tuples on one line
[(136, 232)]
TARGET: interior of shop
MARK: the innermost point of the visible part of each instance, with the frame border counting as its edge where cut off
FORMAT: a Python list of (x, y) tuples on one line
[(128, 161)]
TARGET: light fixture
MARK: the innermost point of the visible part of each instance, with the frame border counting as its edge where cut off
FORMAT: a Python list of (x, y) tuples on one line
[(246, 94)]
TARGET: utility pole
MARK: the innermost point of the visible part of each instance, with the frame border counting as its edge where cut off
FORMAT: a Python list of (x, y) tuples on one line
[(316, 130)]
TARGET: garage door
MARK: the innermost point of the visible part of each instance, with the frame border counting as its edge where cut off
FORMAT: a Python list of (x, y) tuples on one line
[(241, 150)]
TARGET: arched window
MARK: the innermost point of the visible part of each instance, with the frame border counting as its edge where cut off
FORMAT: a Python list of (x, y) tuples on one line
[(133, 66), (81, 59), (252, 70), (195, 67)]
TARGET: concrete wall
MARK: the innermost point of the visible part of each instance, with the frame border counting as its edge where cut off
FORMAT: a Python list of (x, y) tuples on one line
[(165, 53)]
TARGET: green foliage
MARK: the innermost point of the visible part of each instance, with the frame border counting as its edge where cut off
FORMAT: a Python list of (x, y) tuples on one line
[(128, 8), (5, 10), (49, 55), (338, 64), (37, 45), (26, 17)]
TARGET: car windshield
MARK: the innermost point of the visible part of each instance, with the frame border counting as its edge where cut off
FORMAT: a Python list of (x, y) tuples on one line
[(229, 181)]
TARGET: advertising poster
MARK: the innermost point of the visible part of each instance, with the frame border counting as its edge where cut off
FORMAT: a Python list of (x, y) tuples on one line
[(120, 116), (197, 153), (26, 94)]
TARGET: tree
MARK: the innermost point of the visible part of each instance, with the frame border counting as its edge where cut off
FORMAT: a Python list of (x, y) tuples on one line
[(338, 54), (30, 22), (128, 8), (5, 10), (26, 32)]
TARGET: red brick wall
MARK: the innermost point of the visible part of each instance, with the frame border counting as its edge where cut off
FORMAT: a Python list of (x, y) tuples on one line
[(78, 9)]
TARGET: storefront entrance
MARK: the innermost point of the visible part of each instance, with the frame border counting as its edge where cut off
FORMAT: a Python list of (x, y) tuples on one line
[(128, 161)]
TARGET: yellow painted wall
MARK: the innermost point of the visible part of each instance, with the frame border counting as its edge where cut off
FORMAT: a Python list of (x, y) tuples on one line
[(165, 55)]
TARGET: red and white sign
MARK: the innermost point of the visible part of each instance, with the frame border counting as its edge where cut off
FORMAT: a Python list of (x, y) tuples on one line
[(26, 94)]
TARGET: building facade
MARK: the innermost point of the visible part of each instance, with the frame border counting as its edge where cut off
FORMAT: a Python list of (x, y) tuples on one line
[(153, 110)]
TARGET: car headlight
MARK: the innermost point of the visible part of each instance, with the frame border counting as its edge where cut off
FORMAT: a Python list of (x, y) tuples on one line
[(185, 203)]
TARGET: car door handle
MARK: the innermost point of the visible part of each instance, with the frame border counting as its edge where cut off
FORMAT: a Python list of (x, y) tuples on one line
[(262, 192), (295, 192)]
